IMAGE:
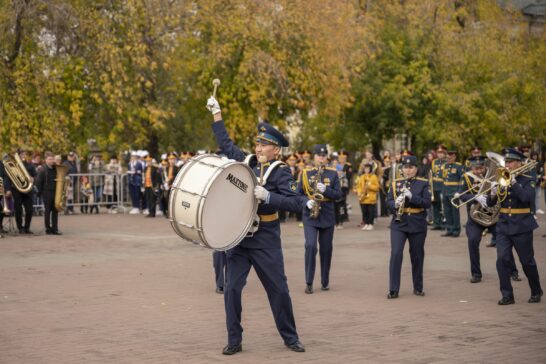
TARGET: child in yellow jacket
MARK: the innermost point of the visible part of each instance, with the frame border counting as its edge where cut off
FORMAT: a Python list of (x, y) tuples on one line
[(367, 188)]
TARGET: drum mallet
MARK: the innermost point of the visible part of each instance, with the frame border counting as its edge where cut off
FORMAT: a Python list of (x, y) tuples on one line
[(215, 83)]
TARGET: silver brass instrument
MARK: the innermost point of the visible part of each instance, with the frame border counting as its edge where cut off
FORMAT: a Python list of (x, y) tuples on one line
[(487, 216), (502, 176), (400, 209), (17, 172), (61, 184), (5, 210)]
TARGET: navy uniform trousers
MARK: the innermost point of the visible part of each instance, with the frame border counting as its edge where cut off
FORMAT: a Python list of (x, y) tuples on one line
[(219, 263), (269, 266), (452, 215), (437, 209), (523, 243), (417, 256), (325, 239), (474, 233)]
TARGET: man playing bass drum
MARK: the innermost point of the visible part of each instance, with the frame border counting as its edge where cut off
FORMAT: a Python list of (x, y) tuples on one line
[(263, 250)]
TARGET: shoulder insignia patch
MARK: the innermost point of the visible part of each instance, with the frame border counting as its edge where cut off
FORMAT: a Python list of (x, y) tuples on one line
[(293, 185)]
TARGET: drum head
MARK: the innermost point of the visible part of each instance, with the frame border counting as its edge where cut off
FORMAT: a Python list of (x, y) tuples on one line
[(230, 206)]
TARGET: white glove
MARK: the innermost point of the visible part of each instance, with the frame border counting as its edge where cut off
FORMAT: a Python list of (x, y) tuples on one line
[(213, 106), (456, 195), (310, 204), (166, 186), (494, 188), (321, 187), (482, 200), (261, 193), (407, 193), (513, 181), (399, 200)]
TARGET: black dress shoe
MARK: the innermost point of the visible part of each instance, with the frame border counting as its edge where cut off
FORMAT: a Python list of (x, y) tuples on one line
[(297, 347), (392, 294), (506, 301), (49, 232), (475, 279), (232, 349), (418, 293), (455, 235), (21, 231), (309, 289), (515, 277), (56, 232), (27, 231), (436, 228), (324, 288), (491, 245), (535, 298), (446, 234), (220, 290)]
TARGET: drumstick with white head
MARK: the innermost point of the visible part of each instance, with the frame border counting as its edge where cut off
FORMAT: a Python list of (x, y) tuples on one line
[(262, 159), (215, 83)]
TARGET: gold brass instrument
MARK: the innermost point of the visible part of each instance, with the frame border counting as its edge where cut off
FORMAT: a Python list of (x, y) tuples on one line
[(400, 209), (61, 184), (17, 172), (5, 210), (312, 191), (430, 181), (502, 176)]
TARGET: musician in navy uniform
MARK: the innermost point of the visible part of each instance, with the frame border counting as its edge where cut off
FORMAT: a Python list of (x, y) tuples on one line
[(321, 228), (262, 250), (408, 199), (515, 228), (437, 185), (452, 172), (470, 186)]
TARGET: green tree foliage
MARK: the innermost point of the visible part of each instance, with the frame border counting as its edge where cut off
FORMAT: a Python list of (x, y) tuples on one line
[(137, 73)]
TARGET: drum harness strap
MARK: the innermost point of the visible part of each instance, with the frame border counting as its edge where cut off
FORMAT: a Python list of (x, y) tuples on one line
[(265, 218)]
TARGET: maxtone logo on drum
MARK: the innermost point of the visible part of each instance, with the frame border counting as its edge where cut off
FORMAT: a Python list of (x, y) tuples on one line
[(237, 182)]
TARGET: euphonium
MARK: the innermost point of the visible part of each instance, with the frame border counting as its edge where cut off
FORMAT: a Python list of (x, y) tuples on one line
[(17, 172), (5, 209), (60, 187)]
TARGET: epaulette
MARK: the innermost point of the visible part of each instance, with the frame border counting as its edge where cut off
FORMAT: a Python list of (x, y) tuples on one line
[(309, 169), (421, 179), (458, 163)]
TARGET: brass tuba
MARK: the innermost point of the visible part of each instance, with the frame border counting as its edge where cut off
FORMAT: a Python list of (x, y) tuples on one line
[(61, 184), (17, 172)]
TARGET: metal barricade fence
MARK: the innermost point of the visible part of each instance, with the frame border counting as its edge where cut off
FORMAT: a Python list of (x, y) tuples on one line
[(89, 191)]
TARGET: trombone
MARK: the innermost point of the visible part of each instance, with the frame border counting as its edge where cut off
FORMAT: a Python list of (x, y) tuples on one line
[(502, 176)]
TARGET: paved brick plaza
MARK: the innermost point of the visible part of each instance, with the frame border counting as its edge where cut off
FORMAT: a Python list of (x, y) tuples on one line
[(125, 289)]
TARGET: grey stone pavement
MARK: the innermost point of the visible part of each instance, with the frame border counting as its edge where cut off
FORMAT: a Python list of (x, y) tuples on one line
[(126, 289)]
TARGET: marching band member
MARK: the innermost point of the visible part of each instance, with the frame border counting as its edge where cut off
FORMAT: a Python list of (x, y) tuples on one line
[(452, 173), (262, 250), (437, 185), (45, 182), (321, 227), (468, 189), (515, 228), (23, 201), (408, 199)]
